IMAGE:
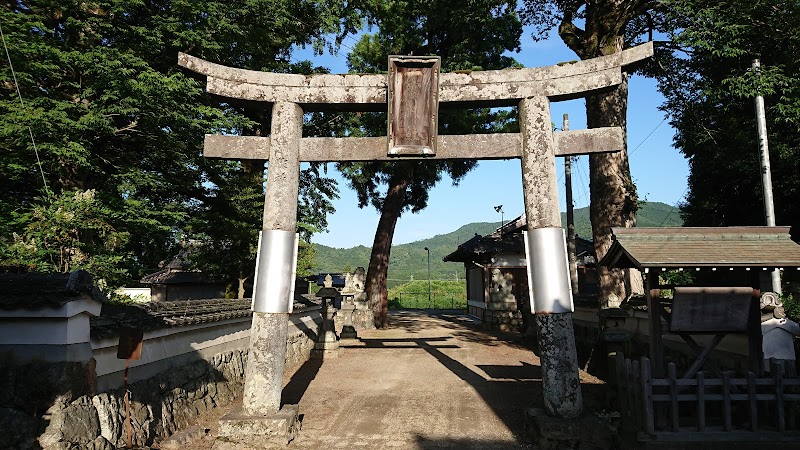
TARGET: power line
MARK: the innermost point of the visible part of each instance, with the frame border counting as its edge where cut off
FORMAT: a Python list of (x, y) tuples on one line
[(22, 104), (647, 137), (674, 207)]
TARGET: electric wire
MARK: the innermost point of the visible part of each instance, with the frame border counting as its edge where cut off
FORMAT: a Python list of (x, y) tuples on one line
[(647, 137), (22, 104), (685, 191)]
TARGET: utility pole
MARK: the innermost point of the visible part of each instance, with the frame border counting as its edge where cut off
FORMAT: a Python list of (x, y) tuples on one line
[(571, 257), (429, 276), (499, 208), (766, 175)]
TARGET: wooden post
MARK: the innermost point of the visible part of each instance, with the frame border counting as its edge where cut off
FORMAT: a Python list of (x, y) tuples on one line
[(647, 396), (751, 394), (726, 401), (673, 396), (756, 357), (777, 373), (654, 310), (701, 401)]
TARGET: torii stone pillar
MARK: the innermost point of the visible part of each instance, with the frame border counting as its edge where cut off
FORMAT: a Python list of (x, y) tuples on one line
[(264, 373), (560, 377), (262, 421)]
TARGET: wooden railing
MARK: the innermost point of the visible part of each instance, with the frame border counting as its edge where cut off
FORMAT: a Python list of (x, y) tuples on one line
[(727, 405)]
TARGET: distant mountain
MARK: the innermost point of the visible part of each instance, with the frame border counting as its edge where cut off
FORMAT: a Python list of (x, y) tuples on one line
[(650, 214), (410, 260)]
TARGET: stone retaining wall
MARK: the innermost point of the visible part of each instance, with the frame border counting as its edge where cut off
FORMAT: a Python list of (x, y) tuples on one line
[(61, 405), (502, 320), (158, 407)]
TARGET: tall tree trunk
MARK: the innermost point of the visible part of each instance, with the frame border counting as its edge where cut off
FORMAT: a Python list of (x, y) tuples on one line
[(613, 195), (375, 285)]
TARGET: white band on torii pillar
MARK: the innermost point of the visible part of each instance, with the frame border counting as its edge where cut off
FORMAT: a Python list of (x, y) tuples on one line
[(273, 285), (548, 268)]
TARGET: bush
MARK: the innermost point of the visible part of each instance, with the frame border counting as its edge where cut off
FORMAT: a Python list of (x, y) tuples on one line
[(792, 307)]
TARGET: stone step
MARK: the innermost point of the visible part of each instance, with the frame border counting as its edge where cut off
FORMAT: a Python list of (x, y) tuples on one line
[(178, 441)]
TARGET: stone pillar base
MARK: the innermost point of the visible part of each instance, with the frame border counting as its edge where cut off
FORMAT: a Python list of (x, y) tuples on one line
[(348, 332), (321, 353), (239, 431), (588, 431)]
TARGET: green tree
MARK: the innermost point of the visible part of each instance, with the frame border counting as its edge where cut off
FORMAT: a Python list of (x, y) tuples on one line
[(69, 232), (112, 113), (592, 29), (710, 88), (431, 27)]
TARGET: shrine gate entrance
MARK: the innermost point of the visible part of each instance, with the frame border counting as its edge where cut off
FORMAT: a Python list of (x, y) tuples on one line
[(413, 89)]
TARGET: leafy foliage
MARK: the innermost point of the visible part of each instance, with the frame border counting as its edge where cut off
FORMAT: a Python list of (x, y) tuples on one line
[(112, 114), (791, 305), (710, 88), (71, 231)]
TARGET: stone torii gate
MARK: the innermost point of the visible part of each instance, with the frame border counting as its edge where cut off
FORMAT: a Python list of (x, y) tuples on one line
[(536, 145)]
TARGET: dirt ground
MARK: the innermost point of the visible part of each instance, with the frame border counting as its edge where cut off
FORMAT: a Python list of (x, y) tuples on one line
[(425, 382)]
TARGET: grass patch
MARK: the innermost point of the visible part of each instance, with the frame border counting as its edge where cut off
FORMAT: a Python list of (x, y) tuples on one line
[(444, 294)]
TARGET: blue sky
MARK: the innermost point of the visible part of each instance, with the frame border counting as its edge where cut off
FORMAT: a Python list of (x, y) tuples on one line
[(658, 170)]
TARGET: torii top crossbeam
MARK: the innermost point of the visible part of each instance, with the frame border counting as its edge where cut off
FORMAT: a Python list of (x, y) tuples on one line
[(325, 92), (368, 92)]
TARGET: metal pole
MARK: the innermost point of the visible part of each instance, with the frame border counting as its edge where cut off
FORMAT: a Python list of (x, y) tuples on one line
[(429, 276), (766, 176), (571, 254)]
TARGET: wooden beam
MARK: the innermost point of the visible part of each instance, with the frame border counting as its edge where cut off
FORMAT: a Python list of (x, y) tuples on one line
[(469, 89), (471, 146)]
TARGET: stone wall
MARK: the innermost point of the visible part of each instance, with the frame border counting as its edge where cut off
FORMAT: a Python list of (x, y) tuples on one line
[(76, 419), (61, 405), (502, 320)]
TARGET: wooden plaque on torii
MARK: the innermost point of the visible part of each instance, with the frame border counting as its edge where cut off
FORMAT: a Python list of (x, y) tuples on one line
[(413, 105)]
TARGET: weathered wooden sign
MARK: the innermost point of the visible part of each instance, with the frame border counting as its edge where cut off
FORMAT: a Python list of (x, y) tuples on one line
[(130, 343), (710, 309), (413, 105)]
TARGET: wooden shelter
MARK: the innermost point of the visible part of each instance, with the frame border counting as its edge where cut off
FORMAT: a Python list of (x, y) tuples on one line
[(727, 261), (698, 406)]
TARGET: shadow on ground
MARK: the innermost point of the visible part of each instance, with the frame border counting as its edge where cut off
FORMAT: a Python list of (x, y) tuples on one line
[(301, 379), (425, 443), (507, 389)]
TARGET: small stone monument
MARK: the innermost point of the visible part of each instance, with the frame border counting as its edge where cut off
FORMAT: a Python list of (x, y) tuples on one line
[(502, 312), (327, 345), (354, 304), (777, 333)]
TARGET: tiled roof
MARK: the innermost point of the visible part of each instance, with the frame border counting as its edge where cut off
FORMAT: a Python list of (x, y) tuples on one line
[(172, 276), (755, 247), (36, 290), (481, 248), (156, 315), (505, 239)]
